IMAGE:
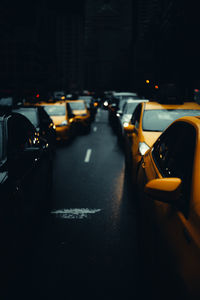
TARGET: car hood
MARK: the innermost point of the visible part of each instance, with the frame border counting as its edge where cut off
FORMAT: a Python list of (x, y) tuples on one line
[(151, 136), (58, 119)]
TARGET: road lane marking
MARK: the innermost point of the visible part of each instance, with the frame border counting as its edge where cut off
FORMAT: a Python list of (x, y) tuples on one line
[(95, 129), (75, 213), (87, 156)]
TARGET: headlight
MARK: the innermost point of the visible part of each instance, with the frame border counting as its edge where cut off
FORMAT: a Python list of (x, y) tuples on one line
[(64, 123), (143, 148), (125, 124), (105, 103)]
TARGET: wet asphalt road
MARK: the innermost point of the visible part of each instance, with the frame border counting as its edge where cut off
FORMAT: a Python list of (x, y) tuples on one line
[(86, 248)]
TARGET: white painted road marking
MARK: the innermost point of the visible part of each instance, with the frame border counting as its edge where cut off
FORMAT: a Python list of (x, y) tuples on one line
[(95, 129), (87, 156), (75, 213)]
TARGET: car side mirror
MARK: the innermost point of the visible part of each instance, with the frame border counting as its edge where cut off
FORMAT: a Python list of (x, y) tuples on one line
[(129, 128), (165, 189)]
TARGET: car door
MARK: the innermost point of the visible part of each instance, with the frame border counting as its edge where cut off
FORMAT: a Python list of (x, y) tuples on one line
[(173, 156), (27, 164)]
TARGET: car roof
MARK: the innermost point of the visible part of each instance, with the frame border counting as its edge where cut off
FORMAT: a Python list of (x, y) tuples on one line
[(137, 100), (124, 94), (186, 105), (51, 103)]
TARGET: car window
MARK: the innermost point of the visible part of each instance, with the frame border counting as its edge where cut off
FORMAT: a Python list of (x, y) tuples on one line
[(86, 98), (130, 107), (160, 119), (173, 154), (121, 103), (77, 105), (55, 110)]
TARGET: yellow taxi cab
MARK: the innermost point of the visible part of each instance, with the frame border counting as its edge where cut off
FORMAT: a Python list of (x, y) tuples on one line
[(169, 187), (62, 117), (148, 121), (81, 114)]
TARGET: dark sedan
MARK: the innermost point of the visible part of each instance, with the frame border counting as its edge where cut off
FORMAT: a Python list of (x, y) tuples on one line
[(42, 123), (25, 174)]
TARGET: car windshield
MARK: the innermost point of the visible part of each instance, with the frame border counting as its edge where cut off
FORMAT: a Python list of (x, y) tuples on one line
[(77, 105), (126, 97), (86, 98), (130, 107), (1, 141), (159, 120), (55, 110), (31, 114), (123, 100)]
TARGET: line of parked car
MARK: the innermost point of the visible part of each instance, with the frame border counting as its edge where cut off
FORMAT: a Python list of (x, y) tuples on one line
[(162, 145), (28, 136)]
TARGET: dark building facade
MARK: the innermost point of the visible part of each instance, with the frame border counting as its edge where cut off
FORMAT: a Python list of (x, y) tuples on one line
[(66, 23), (41, 46), (108, 32), (20, 51), (165, 44)]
